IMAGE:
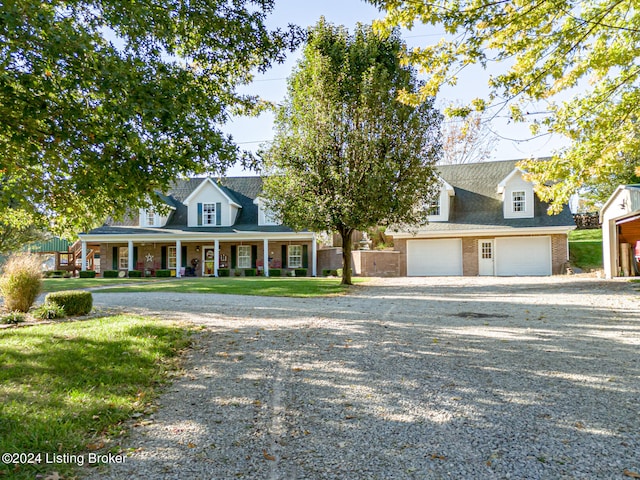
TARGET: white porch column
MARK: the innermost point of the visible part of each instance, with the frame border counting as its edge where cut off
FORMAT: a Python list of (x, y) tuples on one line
[(130, 259), (265, 255), (314, 256), (83, 256), (178, 257), (216, 259)]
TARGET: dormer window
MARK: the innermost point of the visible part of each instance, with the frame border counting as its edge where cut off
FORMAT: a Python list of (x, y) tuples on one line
[(434, 208), (519, 201), (208, 214), (150, 220)]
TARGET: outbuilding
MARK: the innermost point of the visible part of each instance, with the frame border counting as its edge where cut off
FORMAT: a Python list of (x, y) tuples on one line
[(620, 219)]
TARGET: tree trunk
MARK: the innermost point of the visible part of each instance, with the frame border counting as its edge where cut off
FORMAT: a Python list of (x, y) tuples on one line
[(346, 234)]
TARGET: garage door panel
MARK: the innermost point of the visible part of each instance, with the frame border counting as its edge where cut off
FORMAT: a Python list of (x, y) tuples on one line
[(439, 257), (523, 256)]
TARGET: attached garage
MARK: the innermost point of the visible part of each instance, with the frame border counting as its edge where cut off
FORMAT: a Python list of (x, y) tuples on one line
[(523, 256), (438, 257)]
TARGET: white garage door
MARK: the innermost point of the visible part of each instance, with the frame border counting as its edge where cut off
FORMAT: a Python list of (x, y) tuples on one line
[(523, 256), (434, 257)]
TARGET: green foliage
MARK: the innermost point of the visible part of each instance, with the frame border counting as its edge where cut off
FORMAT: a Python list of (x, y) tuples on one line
[(74, 302), (250, 272), (163, 273), (104, 103), (110, 274), (135, 274), (275, 272), (301, 272), (49, 311), (329, 273), (64, 385), (548, 47), (12, 318), (87, 274), (21, 282), (347, 155), (223, 272)]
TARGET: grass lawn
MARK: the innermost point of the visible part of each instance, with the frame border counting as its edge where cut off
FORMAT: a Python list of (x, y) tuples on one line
[(273, 287), (58, 284), (63, 386), (585, 248)]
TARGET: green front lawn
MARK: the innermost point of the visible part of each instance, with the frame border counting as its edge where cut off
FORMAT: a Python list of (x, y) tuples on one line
[(270, 287), (585, 248), (63, 386), (58, 284)]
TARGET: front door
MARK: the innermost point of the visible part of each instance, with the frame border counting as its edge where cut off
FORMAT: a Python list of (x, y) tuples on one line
[(209, 263), (486, 255)]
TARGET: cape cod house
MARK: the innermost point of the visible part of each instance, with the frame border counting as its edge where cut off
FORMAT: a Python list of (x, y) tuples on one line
[(212, 225), (487, 221)]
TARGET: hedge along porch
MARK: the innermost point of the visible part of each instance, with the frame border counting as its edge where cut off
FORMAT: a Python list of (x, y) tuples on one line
[(207, 256)]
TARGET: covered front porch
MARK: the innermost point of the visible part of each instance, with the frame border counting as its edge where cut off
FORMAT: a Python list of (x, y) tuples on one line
[(276, 254)]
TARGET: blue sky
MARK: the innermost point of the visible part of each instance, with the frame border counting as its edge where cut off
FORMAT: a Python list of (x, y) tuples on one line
[(250, 133)]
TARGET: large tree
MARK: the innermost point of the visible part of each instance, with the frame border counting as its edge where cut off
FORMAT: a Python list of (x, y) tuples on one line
[(105, 101), (587, 50), (347, 155)]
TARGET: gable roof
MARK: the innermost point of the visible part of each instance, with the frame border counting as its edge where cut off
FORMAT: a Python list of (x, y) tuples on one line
[(217, 186), (242, 191), (477, 205)]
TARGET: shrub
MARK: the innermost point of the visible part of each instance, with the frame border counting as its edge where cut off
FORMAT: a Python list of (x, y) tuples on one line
[(301, 272), (74, 302), (135, 273), (110, 274), (87, 274), (223, 272), (49, 311), (249, 272), (13, 318), (329, 273), (163, 273), (275, 272), (21, 282)]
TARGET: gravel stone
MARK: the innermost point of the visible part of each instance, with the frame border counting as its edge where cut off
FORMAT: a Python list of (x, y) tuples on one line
[(404, 378)]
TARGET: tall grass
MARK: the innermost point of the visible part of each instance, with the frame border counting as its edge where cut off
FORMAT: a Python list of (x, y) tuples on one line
[(21, 281)]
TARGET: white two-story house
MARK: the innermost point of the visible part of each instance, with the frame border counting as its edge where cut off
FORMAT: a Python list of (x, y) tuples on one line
[(487, 221), (211, 225)]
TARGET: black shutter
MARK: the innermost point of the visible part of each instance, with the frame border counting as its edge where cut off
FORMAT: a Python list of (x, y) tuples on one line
[(218, 213), (254, 255), (114, 262), (199, 214), (135, 259), (305, 256), (163, 257), (233, 256), (284, 256), (184, 256)]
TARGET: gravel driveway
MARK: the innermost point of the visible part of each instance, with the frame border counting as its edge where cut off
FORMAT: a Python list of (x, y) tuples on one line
[(464, 378)]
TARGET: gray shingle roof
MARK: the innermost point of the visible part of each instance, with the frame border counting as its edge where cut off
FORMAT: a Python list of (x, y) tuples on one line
[(478, 205)]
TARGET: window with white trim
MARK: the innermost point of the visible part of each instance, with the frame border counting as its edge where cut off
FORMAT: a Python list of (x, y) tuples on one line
[(434, 208), (244, 256), (518, 199), (123, 258), (150, 218), (295, 256), (171, 257), (208, 213)]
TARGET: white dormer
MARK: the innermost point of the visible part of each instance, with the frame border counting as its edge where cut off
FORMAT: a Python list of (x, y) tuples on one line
[(265, 215), (150, 218), (517, 195), (439, 210), (209, 206)]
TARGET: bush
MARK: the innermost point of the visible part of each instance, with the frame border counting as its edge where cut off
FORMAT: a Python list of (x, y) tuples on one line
[(21, 282), (301, 272), (13, 318), (329, 273), (49, 311), (249, 272), (275, 272), (74, 302), (135, 273), (110, 274), (224, 272), (162, 273), (87, 274)]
